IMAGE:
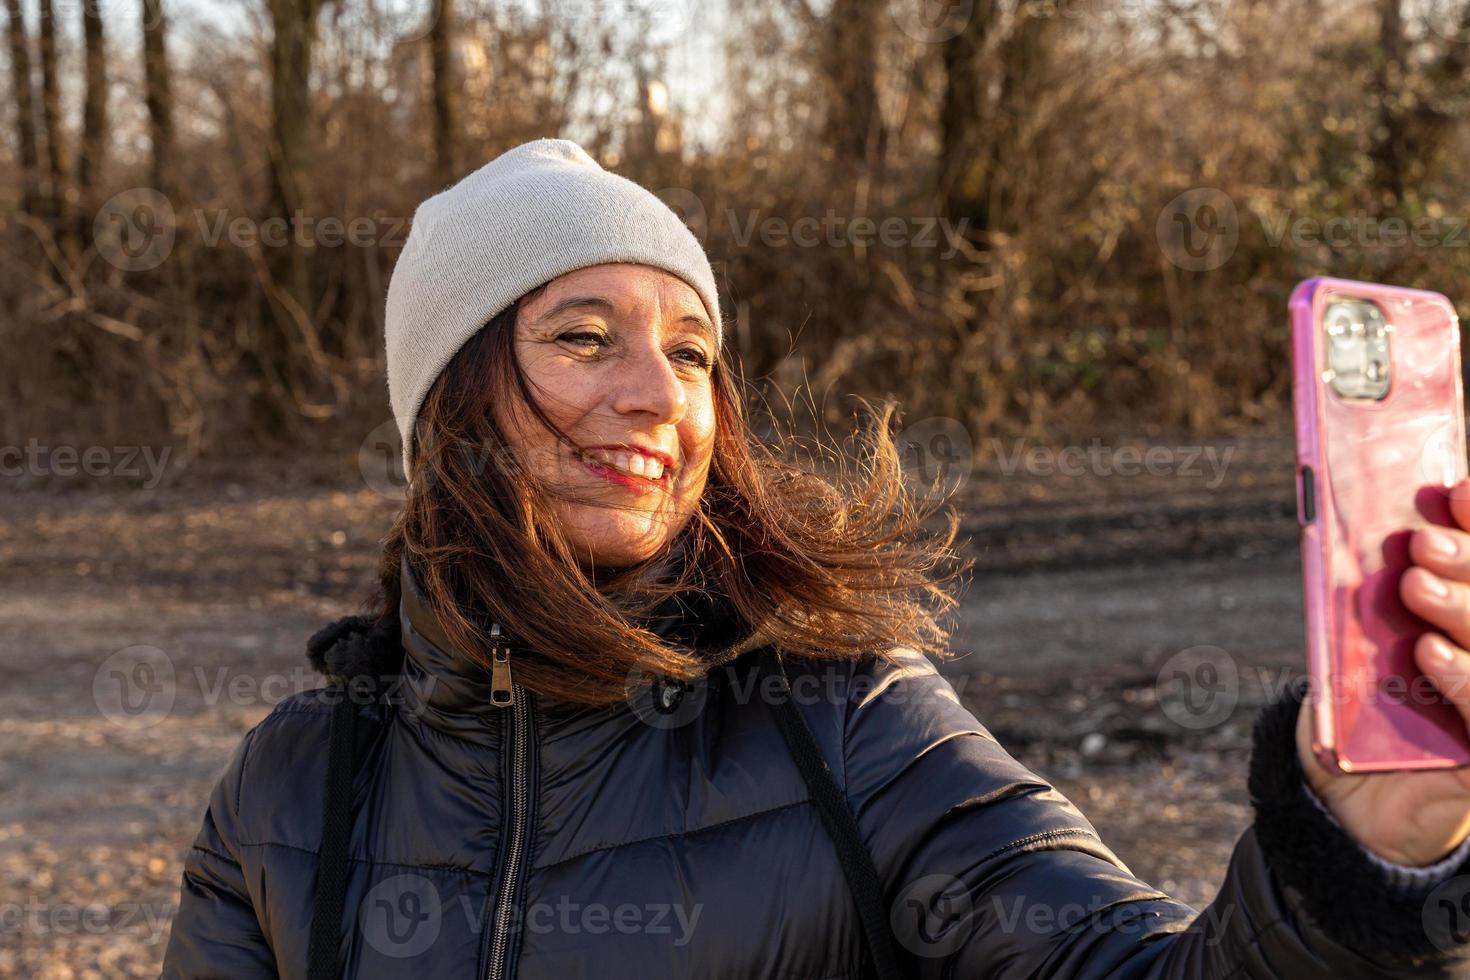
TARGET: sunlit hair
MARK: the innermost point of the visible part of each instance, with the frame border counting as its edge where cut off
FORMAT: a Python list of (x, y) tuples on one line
[(833, 567)]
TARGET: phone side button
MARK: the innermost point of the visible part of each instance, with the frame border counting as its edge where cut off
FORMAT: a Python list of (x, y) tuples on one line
[(1306, 496)]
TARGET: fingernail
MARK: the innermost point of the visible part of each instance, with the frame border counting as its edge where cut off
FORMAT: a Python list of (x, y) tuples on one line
[(1439, 543), (1434, 584), (1440, 655)]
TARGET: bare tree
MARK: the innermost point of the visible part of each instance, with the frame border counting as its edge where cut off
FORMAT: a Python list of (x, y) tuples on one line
[(25, 120), (285, 269), (1410, 94), (441, 45), (158, 96), (94, 118), (1391, 147), (963, 172), (295, 24), (1024, 56), (846, 40), (57, 165), (94, 102)]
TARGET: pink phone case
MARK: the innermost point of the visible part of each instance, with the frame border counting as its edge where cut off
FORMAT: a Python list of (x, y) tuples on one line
[(1368, 473)]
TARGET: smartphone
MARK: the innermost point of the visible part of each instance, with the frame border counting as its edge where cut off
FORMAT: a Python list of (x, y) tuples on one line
[(1380, 436)]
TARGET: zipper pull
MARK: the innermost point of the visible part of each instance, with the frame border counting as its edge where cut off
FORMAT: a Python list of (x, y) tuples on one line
[(502, 693)]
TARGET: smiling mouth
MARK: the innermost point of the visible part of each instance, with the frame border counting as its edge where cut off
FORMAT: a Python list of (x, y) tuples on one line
[(627, 468)]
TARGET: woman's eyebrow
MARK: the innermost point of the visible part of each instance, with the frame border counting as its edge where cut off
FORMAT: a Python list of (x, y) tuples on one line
[(593, 303), (702, 324)]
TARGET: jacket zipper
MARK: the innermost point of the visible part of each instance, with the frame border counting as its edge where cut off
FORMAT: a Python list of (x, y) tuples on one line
[(516, 736)]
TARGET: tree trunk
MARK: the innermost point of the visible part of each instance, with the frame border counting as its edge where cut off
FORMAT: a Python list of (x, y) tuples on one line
[(290, 144), (94, 105), (158, 96), (57, 165), (25, 108), (853, 128), (94, 120), (1390, 152), (1413, 97), (286, 247), (441, 38), (963, 178), (1023, 61)]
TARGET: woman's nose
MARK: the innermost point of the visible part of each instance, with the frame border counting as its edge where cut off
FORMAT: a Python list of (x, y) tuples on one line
[(648, 384)]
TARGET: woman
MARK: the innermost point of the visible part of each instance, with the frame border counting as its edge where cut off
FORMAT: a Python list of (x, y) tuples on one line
[(564, 744)]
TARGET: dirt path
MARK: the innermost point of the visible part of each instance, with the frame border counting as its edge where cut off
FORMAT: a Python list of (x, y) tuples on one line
[(1086, 590)]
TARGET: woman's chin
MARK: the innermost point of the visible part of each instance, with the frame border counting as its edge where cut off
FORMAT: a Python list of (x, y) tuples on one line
[(619, 539), (621, 545)]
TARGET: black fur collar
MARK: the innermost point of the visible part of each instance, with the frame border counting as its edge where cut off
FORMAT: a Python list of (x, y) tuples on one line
[(356, 646)]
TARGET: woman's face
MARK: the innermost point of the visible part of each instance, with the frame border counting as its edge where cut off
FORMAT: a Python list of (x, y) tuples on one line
[(620, 357)]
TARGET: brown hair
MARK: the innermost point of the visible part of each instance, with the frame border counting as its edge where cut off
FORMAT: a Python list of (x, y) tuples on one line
[(829, 567)]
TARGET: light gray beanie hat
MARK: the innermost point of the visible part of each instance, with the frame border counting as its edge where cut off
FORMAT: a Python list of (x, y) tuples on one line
[(538, 211)]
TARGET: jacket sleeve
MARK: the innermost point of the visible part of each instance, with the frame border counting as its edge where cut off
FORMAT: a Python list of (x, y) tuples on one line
[(989, 871), (216, 932)]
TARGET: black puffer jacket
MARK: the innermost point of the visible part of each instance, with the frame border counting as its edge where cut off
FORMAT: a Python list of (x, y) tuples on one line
[(553, 842)]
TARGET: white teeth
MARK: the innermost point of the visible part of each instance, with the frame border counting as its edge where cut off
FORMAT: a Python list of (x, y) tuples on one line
[(634, 464)]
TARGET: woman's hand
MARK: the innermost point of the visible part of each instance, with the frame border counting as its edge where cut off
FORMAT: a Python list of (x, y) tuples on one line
[(1415, 818)]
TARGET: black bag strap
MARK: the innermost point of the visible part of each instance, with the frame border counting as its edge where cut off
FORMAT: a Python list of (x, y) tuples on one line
[(837, 817), (324, 960)]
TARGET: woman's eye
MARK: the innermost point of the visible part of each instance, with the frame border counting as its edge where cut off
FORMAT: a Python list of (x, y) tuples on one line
[(583, 338), (694, 356)]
